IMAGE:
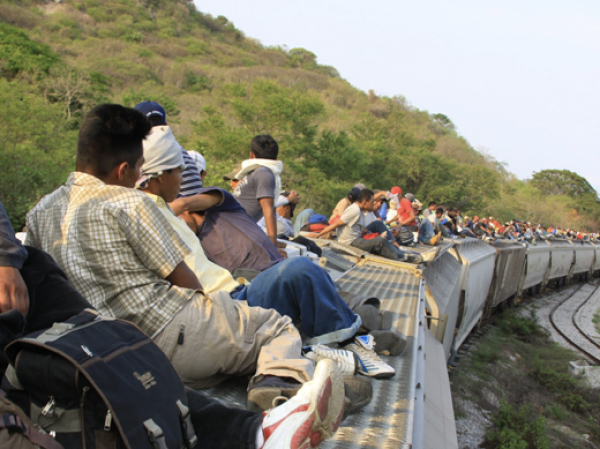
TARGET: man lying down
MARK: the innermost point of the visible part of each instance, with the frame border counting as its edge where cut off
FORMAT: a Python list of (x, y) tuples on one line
[(295, 287)]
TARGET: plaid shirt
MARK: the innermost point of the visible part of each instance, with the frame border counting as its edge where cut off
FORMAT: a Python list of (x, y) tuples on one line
[(116, 248)]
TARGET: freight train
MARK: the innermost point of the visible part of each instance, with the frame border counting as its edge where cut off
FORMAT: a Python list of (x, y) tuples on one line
[(435, 305)]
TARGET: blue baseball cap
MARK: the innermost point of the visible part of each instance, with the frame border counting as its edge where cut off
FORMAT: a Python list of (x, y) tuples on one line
[(318, 219), (153, 109)]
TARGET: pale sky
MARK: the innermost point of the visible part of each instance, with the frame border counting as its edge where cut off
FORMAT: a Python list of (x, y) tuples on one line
[(520, 79)]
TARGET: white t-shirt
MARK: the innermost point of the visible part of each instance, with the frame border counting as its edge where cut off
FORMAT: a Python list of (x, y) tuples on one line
[(354, 221), (370, 217)]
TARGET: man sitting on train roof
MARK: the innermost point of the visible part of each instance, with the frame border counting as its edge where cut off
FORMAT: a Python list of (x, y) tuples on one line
[(35, 293), (284, 208), (295, 287), (353, 227), (122, 255), (427, 236), (343, 204)]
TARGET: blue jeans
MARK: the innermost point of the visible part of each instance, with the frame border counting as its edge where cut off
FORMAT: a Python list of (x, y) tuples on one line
[(379, 227), (426, 232), (380, 247), (303, 291)]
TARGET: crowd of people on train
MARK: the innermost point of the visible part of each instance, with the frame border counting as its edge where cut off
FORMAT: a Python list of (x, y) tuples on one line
[(395, 217), (203, 271)]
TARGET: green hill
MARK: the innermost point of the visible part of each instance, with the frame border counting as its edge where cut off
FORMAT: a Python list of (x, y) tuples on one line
[(220, 88)]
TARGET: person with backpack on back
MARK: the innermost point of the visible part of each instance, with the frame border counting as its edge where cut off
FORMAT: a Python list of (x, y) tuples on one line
[(119, 252)]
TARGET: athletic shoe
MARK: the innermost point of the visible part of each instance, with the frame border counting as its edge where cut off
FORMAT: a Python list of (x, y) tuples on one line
[(370, 364), (358, 391), (262, 394), (311, 416), (346, 361)]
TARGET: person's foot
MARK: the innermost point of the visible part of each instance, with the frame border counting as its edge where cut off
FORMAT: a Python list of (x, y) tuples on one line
[(346, 360), (262, 394), (413, 258), (370, 364), (372, 318), (433, 241), (431, 255), (358, 391), (388, 342), (311, 416)]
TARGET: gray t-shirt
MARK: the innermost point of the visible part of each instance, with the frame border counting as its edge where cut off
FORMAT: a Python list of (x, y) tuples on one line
[(355, 223), (258, 184)]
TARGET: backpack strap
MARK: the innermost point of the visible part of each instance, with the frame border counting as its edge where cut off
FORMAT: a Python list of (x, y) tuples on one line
[(155, 434), (11, 420), (187, 429)]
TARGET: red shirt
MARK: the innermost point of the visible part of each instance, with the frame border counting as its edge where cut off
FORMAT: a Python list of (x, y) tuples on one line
[(404, 211)]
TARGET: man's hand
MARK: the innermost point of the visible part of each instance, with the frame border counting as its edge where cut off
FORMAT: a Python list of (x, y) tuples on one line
[(293, 197), (13, 291), (283, 253)]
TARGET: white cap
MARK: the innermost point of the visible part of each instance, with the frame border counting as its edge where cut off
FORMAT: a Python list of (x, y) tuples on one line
[(198, 160), (281, 201), (161, 151)]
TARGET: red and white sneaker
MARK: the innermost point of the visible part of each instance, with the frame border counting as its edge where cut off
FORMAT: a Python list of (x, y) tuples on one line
[(311, 416)]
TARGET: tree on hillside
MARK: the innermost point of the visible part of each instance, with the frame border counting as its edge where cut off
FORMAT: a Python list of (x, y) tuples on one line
[(562, 182)]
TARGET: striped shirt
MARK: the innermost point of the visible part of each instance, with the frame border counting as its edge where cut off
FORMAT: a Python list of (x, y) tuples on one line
[(116, 248), (191, 182)]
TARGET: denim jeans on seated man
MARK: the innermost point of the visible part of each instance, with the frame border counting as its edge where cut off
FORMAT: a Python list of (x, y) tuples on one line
[(426, 232), (379, 227), (380, 247), (311, 299)]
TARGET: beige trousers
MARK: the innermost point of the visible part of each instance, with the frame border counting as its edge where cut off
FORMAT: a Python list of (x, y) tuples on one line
[(223, 336)]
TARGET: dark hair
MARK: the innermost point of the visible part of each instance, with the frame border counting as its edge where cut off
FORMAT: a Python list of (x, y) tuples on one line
[(264, 147), (440, 210), (110, 135), (365, 194), (432, 203), (156, 120)]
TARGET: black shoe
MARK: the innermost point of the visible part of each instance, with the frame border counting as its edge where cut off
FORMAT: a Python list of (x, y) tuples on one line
[(372, 318), (358, 392), (263, 395), (388, 341)]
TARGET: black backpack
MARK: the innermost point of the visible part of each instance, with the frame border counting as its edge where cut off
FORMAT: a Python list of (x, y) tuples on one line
[(94, 382)]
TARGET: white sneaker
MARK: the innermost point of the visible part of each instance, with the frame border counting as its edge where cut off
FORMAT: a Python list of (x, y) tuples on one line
[(346, 361), (311, 416), (369, 363)]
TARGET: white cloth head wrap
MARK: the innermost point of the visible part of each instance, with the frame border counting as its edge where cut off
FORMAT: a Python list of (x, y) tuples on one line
[(161, 152)]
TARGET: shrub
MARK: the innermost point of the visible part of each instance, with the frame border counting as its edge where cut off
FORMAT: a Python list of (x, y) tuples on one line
[(20, 53), (516, 428)]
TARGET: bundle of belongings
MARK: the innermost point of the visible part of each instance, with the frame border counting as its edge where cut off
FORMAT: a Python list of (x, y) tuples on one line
[(316, 223)]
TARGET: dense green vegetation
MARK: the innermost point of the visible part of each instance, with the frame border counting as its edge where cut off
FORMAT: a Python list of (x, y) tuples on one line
[(522, 378), (221, 88)]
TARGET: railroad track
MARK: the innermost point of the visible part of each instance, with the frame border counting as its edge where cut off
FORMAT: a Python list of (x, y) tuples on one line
[(564, 319)]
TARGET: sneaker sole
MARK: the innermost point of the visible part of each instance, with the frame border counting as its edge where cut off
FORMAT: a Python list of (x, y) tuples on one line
[(322, 414), (328, 409)]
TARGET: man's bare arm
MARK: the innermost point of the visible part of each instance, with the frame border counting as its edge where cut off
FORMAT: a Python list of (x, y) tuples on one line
[(331, 227), (201, 201), (411, 217), (270, 221), (183, 276), (13, 291)]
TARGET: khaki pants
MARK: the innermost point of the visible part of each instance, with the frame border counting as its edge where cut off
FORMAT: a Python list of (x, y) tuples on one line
[(223, 336)]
